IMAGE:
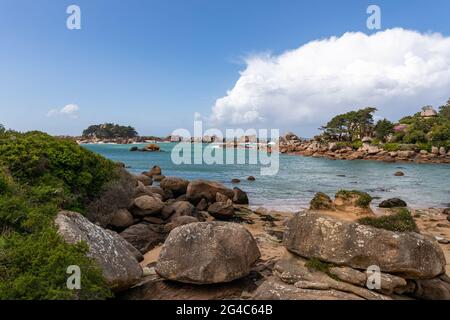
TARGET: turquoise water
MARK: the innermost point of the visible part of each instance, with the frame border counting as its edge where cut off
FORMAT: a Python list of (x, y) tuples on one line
[(299, 178)]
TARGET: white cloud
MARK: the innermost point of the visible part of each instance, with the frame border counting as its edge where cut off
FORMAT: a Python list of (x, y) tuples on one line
[(70, 110), (395, 70)]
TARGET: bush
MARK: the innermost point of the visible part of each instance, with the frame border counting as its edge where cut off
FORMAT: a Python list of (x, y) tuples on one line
[(34, 267), (401, 221), (315, 264), (39, 175), (357, 144), (363, 199), (391, 146), (321, 201)]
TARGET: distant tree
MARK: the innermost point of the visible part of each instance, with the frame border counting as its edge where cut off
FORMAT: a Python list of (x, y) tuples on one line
[(109, 130), (383, 128), (2, 128), (350, 126), (444, 111)]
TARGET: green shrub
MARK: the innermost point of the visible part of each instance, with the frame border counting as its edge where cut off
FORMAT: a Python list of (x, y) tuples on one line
[(401, 221), (363, 199), (315, 264), (357, 144), (391, 146), (321, 201), (39, 175), (34, 267)]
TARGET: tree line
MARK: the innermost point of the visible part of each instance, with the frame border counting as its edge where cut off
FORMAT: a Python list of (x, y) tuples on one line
[(109, 130), (423, 131)]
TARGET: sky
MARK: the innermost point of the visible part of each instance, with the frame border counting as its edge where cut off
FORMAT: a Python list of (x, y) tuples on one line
[(159, 64)]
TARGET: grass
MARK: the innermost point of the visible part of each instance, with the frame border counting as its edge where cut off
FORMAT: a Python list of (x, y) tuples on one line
[(401, 221), (317, 265)]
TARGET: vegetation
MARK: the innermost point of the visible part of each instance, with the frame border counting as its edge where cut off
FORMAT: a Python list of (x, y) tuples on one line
[(418, 130), (350, 126), (400, 221), (363, 199), (109, 131), (317, 265), (321, 201), (40, 175)]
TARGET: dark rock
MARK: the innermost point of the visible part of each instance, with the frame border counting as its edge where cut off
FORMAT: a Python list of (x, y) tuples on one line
[(144, 236), (155, 171), (432, 289), (392, 203), (177, 186), (240, 197), (202, 205), (146, 180), (251, 178), (399, 174), (235, 181), (222, 210), (158, 178), (179, 221), (203, 189), (122, 218), (147, 205)]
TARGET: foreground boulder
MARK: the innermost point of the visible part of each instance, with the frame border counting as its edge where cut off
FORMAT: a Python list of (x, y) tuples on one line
[(409, 255), (207, 252), (119, 267), (203, 189)]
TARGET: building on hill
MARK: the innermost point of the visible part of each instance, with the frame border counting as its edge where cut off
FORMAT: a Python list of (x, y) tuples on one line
[(428, 112)]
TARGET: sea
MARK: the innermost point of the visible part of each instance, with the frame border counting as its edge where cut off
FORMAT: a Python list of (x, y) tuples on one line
[(299, 178)]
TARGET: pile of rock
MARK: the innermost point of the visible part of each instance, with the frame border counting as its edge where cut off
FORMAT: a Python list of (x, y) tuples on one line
[(334, 259), (368, 151), (153, 211)]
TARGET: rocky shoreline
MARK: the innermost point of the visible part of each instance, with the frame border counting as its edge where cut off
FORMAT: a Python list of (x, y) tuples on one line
[(291, 144), (199, 240)]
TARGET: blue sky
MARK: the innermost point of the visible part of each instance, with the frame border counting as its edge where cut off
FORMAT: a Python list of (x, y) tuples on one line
[(153, 64)]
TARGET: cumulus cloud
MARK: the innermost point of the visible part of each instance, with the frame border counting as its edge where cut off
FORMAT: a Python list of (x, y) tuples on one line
[(395, 70), (70, 110)]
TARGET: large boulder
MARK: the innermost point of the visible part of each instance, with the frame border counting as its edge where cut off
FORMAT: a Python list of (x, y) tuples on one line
[(144, 236), (177, 186), (409, 255), (203, 189), (207, 252), (147, 205), (119, 267)]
